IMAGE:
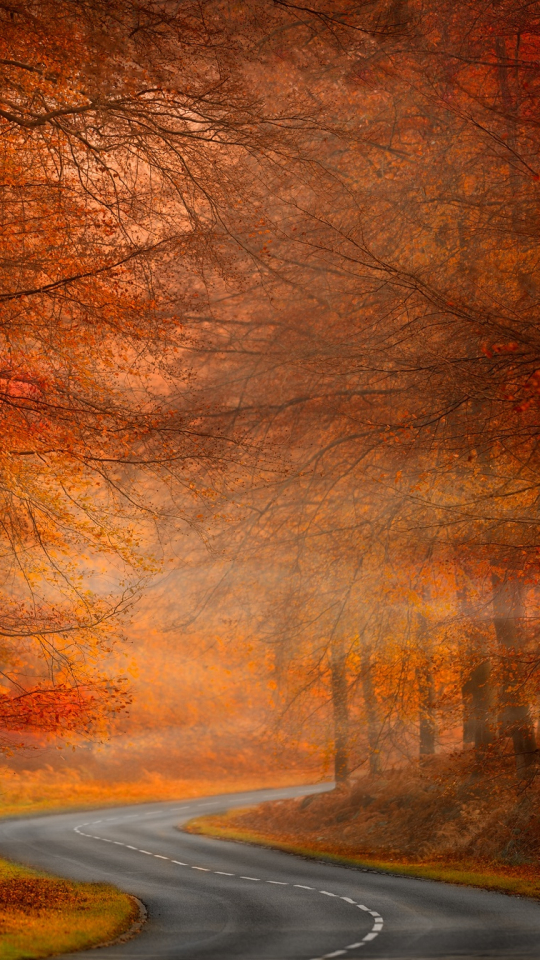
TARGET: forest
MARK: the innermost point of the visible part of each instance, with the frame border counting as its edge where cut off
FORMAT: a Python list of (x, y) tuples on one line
[(269, 401)]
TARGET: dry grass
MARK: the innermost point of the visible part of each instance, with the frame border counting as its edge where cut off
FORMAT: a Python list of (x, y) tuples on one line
[(41, 916), (30, 792)]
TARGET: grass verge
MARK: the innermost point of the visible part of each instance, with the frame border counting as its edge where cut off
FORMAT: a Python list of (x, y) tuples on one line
[(42, 915), (518, 881)]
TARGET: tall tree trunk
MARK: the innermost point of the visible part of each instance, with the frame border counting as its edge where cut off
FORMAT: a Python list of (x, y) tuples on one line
[(477, 691), (467, 714), (478, 696), (426, 693), (372, 718), (280, 670), (515, 712), (340, 705)]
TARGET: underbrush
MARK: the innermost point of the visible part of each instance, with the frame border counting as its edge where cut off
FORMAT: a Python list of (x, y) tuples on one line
[(445, 819), (41, 916), (444, 810)]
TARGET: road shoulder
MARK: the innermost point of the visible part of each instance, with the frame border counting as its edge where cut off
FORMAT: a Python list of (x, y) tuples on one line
[(231, 826), (43, 915)]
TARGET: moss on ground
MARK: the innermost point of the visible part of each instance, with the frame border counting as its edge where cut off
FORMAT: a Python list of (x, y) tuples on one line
[(42, 915)]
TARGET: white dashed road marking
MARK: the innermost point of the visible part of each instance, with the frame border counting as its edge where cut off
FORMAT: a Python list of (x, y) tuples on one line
[(375, 930)]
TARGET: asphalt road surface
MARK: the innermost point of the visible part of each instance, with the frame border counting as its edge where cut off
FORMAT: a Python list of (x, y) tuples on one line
[(217, 900)]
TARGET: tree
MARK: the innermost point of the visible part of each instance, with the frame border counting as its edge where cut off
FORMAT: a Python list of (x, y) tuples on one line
[(130, 146), (406, 362)]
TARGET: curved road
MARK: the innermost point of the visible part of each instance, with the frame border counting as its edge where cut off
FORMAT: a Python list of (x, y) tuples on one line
[(216, 900)]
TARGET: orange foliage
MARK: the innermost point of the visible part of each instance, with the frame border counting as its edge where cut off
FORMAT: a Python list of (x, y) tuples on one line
[(342, 379)]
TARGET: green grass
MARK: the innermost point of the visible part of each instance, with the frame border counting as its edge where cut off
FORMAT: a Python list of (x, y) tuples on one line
[(42, 915), (523, 882)]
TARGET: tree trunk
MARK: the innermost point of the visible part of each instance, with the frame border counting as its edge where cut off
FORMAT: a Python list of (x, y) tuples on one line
[(372, 719), (280, 671), (515, 714), (478, 696), (426, 694), (477, 692), (467, 715), (340, 704)]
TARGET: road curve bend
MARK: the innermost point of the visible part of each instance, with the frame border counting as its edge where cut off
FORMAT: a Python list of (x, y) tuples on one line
[(216, 900)]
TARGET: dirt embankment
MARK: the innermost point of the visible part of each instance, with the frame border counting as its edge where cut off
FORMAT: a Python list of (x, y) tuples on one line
[(445, 820)]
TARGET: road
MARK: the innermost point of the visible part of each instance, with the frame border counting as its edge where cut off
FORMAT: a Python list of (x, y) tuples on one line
[(215, 900)]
